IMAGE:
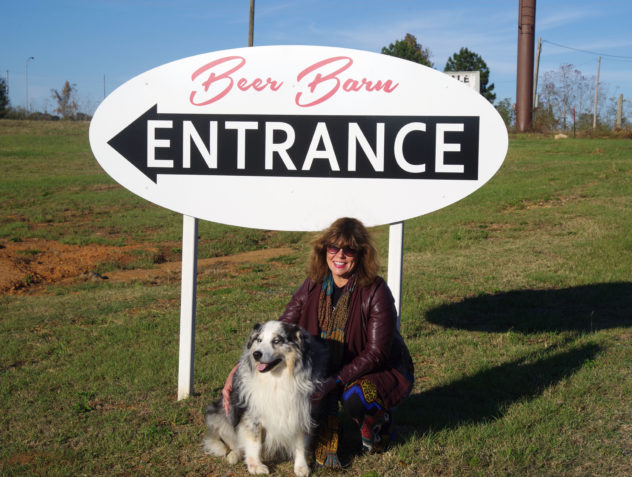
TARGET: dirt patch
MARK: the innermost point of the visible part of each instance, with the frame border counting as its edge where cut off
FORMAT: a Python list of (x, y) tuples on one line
[(26, 266), (32, 262), (172, 270)]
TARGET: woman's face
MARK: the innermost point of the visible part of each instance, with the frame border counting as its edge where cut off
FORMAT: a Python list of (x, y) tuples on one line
[(341, 261)]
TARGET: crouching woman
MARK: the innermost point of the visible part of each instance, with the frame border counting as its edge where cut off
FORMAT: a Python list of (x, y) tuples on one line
[(344, 302)]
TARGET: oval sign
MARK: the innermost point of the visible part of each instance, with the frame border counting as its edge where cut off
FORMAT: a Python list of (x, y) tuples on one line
[(293, 137)]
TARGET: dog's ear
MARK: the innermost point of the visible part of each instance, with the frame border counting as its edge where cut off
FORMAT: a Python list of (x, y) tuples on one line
[(253, 335), (297, 335)]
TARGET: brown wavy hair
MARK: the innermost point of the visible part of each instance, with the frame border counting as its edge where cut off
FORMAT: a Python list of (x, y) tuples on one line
[(347, 232)]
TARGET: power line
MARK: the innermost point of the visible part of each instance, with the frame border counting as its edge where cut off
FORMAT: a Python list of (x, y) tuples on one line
[(605, 55)]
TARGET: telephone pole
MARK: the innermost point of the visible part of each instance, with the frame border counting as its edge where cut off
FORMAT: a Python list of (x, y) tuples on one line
[(596, 94), (26, 75), (524, 77), (251, 28), (535, 75)]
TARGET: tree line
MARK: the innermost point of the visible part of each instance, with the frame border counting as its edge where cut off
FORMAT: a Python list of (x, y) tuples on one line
[(65, 100), (565, 99), (566, 102), (464, 60)]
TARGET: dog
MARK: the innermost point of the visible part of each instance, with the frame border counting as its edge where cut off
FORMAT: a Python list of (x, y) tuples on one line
[(270, 409)]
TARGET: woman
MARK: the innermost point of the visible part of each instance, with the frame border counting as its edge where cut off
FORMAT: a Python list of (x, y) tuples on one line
[(348, 305)]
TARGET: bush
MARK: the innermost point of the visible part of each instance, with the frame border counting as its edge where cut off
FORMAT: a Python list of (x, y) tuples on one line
[(22, 114), (544, 120)]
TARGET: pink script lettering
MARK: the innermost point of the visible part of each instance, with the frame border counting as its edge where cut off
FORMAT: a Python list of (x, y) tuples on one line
[(216, 79), (220, 81), (325, 82)]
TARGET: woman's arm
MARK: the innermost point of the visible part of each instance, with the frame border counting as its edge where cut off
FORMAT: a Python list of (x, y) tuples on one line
[(380, 328), (293, 309), (228, 388)]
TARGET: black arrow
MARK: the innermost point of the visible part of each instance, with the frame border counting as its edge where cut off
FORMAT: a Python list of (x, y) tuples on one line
[(131, 143), (166, 144)]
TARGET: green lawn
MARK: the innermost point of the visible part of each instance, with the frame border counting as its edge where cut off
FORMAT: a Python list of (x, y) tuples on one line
[(516, 308)]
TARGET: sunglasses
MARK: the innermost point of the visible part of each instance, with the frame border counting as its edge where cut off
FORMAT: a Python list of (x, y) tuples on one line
[(348, 251)]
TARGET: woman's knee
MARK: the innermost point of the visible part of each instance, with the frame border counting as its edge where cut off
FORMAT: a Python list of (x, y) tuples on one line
[(361, 398)]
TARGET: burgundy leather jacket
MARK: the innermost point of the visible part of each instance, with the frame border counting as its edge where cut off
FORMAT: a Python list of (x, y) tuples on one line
[(374, 349)]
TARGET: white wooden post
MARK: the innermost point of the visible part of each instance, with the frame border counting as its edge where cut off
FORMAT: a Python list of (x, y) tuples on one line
[(187, 306), (395, 261)]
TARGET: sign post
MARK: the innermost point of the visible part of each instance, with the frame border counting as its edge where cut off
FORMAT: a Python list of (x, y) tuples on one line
[(257, 137), (395, 265), (187, 306)]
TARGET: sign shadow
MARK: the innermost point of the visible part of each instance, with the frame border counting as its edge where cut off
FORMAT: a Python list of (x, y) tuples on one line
[(488, 394), (585, 309)]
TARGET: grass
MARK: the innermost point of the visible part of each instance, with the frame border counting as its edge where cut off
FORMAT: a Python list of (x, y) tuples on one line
[(516, 308), (52, 188)]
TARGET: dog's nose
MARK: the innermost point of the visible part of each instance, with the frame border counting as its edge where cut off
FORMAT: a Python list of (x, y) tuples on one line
[(257, 355)]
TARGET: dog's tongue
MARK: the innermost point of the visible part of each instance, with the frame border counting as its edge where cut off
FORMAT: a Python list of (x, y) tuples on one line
[(261, 367)]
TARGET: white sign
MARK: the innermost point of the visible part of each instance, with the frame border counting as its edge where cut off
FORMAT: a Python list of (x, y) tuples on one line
[(470, 78), (292, 137)]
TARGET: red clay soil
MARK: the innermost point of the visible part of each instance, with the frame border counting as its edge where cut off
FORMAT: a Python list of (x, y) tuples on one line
[(26, 266)]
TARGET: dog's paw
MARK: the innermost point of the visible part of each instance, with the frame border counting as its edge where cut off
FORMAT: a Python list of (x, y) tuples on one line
[(232, 457), (214, 447), (301, 470), (257, 468)]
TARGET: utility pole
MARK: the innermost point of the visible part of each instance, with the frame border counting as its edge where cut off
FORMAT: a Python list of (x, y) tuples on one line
[(26, 67), (619, 111), (524, 77), (535, 75), (596, 94), (251, 28)]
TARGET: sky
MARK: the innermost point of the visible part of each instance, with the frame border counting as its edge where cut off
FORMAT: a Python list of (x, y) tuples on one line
[(97, 45)]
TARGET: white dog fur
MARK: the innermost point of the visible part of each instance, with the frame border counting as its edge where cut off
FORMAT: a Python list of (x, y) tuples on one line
[(270, 410)]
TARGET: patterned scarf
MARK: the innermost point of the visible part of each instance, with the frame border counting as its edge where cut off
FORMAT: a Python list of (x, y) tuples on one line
[(332, 322)]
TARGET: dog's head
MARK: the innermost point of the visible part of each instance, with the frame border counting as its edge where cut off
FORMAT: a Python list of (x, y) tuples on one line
[(274, 345)]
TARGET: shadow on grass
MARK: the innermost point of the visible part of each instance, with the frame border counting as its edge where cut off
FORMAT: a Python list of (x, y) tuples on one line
[(487, 394), (586, 308)]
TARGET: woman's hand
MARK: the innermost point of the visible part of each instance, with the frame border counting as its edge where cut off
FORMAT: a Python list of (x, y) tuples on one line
[(328, 386), (228, 387)]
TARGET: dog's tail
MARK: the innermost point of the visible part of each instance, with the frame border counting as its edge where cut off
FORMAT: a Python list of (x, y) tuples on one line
[(221, 439)]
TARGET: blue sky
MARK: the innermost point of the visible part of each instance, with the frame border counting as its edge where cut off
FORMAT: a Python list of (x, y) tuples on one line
[(100, 44)]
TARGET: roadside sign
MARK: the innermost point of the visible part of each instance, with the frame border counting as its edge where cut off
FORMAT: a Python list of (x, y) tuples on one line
[(292, 137), (470, 78)]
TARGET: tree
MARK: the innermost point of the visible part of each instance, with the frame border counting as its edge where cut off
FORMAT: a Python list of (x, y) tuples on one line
[(409, 49), (66, 103), (507, 112), (609, 112), (4, 98), (565, 90), (466, 60)]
